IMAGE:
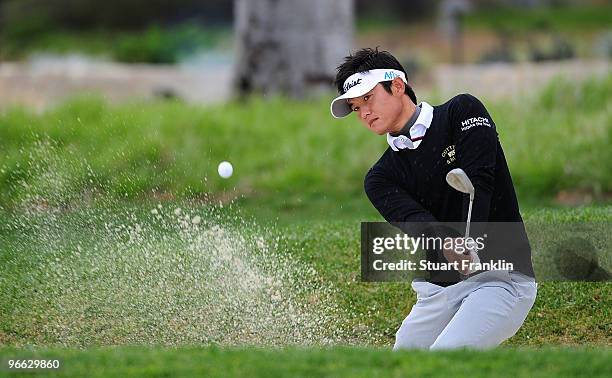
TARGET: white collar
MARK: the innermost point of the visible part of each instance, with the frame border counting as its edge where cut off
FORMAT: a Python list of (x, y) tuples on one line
[(417, 131)]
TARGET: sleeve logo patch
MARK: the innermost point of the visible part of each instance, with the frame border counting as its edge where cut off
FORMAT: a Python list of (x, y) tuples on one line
[(474, 121)]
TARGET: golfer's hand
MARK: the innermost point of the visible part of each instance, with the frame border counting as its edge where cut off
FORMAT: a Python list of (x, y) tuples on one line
[(452, 255)]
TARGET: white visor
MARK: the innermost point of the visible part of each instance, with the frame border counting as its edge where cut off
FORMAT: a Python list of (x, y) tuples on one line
[(359, 84)]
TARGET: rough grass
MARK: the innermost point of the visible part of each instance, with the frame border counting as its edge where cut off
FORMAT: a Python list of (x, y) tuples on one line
[(559, 140), (104, 276)]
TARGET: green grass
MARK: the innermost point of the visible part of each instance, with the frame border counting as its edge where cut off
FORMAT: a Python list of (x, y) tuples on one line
[(45, 283), (154, 44), (84, 262), (336, 362), (554, 18), (514, 19), (285, 153)]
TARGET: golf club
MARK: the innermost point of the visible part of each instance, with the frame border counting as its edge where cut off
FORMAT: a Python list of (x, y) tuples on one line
[(459, 180)]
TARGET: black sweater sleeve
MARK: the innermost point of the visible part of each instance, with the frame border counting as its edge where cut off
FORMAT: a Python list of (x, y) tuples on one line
[(398, 207), (475, 140), (391, 200)]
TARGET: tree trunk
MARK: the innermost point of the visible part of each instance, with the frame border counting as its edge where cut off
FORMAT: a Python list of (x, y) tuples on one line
[(290, 46)]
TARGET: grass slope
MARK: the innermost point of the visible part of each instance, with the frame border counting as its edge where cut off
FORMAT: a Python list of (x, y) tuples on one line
[(290, 151)]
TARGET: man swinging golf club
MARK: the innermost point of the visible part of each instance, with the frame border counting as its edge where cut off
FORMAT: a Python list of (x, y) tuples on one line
[(435, 155)]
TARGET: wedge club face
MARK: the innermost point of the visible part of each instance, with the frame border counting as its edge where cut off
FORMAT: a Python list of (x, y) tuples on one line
[(459, 180)]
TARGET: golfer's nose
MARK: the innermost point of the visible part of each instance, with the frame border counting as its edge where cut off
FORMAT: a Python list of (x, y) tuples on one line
[(364, 112)]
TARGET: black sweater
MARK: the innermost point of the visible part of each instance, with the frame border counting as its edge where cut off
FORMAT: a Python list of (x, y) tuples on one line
[(410, 185)]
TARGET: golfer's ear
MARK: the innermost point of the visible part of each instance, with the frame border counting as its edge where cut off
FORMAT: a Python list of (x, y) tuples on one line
[(397, 86)]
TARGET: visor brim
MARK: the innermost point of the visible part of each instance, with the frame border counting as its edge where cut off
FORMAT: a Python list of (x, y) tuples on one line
[(340, 108)]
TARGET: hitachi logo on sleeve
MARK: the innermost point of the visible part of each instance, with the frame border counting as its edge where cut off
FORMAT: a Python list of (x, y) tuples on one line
[(350, 85), (475, 121)]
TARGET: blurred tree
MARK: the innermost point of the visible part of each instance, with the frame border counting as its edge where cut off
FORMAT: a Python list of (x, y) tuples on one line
[(451, 18), (290, 46)]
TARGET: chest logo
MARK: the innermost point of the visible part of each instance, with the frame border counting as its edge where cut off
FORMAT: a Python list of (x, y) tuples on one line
[(449, 154)]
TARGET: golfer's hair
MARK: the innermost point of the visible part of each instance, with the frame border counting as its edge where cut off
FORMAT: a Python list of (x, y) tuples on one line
[(370, 59)]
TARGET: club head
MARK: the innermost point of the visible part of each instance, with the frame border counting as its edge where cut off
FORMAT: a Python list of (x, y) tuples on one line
[(459, 180)]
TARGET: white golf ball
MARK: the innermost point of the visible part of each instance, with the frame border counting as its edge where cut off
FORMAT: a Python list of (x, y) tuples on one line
[(225, 169)]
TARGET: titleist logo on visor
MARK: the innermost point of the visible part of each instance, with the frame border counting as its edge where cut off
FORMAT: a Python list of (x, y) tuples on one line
[(351, 84)]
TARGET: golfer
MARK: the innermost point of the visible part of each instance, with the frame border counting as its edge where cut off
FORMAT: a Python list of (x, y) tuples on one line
[(454, 308)]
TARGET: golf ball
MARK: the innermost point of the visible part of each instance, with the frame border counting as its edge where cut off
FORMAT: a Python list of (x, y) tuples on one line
[(225, 169)]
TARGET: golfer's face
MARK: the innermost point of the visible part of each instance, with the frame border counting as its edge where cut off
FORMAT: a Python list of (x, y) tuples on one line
[(377, 109)]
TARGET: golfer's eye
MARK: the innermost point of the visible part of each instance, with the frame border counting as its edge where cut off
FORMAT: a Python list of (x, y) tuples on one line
[(365, 98)]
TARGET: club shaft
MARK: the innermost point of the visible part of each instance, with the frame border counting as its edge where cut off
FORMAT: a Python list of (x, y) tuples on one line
[(469, 218)]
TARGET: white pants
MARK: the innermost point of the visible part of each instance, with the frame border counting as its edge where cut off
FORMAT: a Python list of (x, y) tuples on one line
[(480, 312)]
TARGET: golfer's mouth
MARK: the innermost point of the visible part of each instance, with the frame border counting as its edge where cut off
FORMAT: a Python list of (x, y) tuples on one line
[(372, 122)]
